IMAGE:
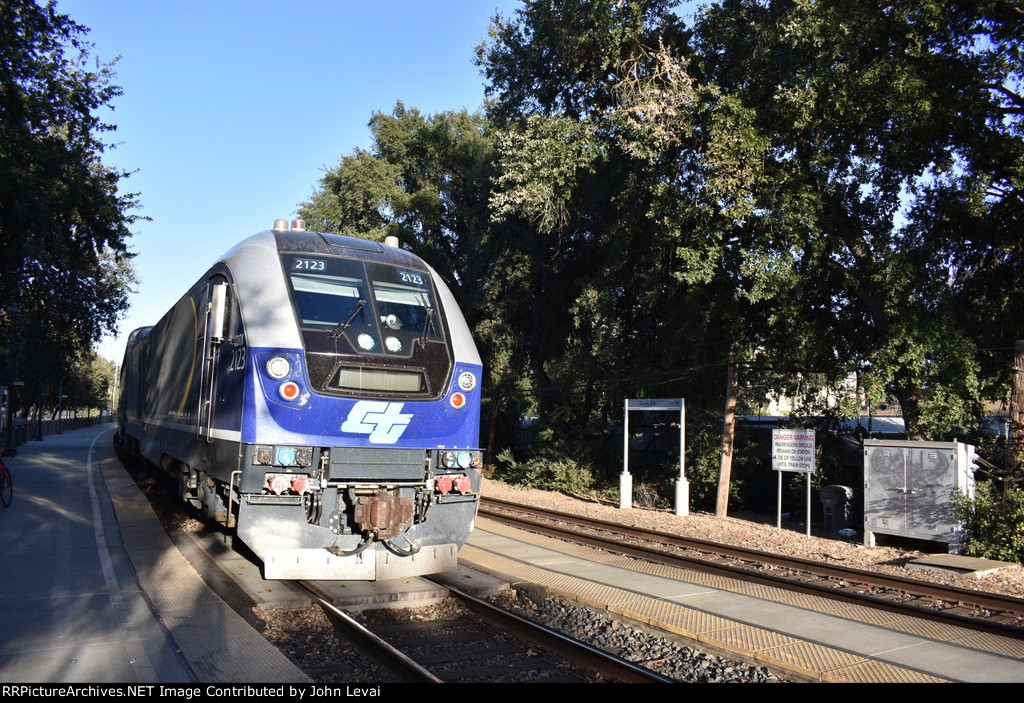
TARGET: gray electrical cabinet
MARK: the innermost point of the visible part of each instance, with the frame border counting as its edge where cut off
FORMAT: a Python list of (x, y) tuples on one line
[(908, 489)]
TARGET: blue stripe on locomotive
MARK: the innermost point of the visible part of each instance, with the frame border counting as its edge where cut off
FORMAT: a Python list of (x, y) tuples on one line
[(321, 420)]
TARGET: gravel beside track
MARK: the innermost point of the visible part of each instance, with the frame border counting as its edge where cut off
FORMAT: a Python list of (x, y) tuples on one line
[(643, 648)]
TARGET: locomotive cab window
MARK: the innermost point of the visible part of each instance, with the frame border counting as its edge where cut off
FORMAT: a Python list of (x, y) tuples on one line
[(321, 298), (380, 309), (405, 307)]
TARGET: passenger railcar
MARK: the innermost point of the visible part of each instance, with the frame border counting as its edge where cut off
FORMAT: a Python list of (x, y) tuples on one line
[(321, 395)]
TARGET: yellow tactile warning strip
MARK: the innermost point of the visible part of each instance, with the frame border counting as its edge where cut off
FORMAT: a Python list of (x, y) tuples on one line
[(779, 651), (993, 643), (893, 621)]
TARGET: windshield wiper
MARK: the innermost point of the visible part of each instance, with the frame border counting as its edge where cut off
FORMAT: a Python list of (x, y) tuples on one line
[(427, 324), (337, 332)]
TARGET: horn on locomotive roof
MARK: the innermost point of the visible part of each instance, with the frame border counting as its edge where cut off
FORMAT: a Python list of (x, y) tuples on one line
[(282, 225)]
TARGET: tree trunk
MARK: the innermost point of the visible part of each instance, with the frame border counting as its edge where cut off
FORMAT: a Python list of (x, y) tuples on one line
[(910, 397), (728, 439)]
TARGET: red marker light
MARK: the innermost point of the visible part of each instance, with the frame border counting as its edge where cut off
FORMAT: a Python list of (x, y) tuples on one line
[(289, 390), (458, 401)]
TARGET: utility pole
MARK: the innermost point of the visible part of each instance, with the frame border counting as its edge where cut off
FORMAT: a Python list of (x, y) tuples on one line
[(728, 440), (1015, 433)]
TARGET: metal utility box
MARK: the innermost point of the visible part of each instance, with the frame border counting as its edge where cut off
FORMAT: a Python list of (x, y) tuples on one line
[(908, 489)]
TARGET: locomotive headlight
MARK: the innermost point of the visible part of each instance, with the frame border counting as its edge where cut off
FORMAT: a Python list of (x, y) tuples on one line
[(366, 341), (467, 381), (278, 367), (393, 344)]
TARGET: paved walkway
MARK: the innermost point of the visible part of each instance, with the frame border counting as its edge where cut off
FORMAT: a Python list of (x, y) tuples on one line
[(93, 591)]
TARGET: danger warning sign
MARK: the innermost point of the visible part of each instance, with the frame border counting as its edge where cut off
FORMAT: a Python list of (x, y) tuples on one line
[(793, 450)]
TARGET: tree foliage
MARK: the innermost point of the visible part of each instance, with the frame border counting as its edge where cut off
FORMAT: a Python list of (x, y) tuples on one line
[(877, 118), (802, 161), (993, 525), (65, 270), (425, 181)]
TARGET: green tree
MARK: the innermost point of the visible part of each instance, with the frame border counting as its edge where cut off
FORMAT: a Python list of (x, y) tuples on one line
[(604, 162), (823, 187), (57, 323), (426, 181), (879, 118), (65, 270), (803, 162), (564, 58)]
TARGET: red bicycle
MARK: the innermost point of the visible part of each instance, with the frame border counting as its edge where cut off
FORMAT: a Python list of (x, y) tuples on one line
[(6, 487)]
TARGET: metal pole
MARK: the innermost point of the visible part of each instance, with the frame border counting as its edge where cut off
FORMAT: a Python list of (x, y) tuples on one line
[(683, 486), (778, 502), (625, 480), (808, 505)]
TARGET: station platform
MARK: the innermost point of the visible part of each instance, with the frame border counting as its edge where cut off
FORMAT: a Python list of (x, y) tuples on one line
[(810, 638), (93, 591)]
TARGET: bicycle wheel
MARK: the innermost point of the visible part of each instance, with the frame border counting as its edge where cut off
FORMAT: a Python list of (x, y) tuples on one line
[(6, 488)]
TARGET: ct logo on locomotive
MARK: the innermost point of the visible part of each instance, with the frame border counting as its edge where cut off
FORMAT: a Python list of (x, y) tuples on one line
[(383, 421)]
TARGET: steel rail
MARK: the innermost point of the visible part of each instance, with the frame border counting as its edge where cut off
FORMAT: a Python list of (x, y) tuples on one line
[(415, 672), (976, 598), (593, 658)]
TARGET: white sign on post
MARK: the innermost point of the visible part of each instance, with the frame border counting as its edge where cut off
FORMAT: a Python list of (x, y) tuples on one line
[(793, 450)]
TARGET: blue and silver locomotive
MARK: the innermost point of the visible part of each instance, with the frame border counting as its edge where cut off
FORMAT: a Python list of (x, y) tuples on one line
[(321, 395)]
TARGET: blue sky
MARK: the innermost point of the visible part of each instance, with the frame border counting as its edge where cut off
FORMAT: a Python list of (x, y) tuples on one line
[(232, 110)]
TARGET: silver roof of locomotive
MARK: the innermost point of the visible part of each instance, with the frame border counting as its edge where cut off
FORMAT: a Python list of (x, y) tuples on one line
[(265, 303)]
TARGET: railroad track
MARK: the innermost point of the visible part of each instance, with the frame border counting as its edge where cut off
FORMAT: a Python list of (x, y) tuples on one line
[(1002, 615), (485, 643)]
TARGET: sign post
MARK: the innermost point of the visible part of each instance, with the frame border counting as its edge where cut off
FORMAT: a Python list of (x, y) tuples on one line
[(793, 451), (626, 480)]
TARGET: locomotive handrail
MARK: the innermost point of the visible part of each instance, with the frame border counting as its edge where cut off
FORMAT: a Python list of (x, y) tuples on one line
[(229, 522)]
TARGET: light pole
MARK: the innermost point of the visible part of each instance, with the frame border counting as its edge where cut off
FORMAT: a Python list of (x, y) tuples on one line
[(9, 448)]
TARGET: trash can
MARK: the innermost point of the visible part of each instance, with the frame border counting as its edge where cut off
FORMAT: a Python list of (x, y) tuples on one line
[(836, 503)]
